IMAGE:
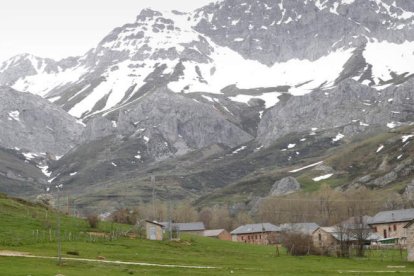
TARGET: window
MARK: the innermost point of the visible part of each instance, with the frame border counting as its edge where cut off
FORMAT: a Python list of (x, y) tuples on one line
[(395, 227), (319, 236)]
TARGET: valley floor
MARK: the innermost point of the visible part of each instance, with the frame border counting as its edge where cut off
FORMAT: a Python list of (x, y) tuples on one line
[(190, 256)]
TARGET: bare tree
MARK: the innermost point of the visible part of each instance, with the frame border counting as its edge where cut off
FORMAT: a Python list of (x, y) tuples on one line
[(360, 231)]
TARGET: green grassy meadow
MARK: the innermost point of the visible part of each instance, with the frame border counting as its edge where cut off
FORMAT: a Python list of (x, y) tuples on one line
[(19, 220)]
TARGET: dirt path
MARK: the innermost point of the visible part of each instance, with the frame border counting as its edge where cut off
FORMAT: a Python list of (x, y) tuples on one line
[(6, 253)]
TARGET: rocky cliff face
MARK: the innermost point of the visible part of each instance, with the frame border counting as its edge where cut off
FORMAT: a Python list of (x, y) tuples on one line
[(33, 124), (179, 123), (276, 31), (351, 108)]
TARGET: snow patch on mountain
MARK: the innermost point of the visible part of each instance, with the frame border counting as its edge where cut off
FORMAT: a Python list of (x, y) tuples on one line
[(14, 115), (322, 177), (387, 58), (232, 68), (43, 82)]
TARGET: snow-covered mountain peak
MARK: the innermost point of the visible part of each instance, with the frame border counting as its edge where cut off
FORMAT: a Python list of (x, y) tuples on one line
[(236, 48), (154, 36)]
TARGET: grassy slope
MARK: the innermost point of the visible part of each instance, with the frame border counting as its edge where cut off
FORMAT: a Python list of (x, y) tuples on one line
[(17, 218), (351, 160), (25, 223)]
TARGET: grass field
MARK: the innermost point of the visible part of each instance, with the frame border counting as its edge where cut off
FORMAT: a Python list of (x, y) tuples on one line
[(20, 220), (226, 257)]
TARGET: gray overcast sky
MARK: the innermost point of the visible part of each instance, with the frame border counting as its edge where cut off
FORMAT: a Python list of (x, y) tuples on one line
[(61, 28)]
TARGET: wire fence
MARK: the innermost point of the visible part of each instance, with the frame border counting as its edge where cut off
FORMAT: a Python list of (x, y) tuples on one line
[(37, 236)]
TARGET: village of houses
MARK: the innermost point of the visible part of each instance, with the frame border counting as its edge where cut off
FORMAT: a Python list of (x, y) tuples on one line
[(387, 229)]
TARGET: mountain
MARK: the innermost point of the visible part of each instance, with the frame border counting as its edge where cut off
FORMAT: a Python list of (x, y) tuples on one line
[(33, 124), (293, 46), (221, 101)]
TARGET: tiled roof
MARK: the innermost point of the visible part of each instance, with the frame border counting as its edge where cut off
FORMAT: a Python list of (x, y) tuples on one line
[(213, 233), (304, 228), (188, 226), (155, 223), (256, 228), (336, 233), (393, 216)]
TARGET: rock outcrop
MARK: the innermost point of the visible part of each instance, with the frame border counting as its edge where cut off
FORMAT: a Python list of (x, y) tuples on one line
[(285, 186)]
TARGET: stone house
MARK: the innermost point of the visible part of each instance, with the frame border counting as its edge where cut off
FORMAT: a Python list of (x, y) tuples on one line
[(409, 227), (325, 238), (220, 234), (330, 240), (391, 224), (260, 233), (154, 230)]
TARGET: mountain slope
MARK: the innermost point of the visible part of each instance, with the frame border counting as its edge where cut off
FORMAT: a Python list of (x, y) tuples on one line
[(351, 108), (277, 31), (20, 174), (33, 124)]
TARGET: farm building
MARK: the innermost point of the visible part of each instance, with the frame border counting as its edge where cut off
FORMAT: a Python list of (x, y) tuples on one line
[(220, 234), (154, 230), (390, 224), (196, 228), (328, 239), (261, 233)]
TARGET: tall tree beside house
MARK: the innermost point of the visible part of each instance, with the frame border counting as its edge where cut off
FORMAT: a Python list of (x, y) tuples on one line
[(184, 212), (206, 215), (360, 230), (343, 234)]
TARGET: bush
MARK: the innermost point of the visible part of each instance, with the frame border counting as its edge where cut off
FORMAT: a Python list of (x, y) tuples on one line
[(125, 216), (74, 253), (298, 244), (93, 221)]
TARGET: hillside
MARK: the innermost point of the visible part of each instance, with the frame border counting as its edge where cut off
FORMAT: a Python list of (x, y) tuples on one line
[(192, 255), (382, 161), (26, 223)]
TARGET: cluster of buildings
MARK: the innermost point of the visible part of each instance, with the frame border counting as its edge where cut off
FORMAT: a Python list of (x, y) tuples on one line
[(394, 227)]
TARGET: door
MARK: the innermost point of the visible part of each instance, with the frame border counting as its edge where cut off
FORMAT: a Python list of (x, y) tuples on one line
[(385, 233), (153, 233)]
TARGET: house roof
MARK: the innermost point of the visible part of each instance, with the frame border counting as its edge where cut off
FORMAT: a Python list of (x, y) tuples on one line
[(256, 228), (304, 228), (155, 223), (213, 233), (354, 222), (187, 226), (393, 216), (336, 233)]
